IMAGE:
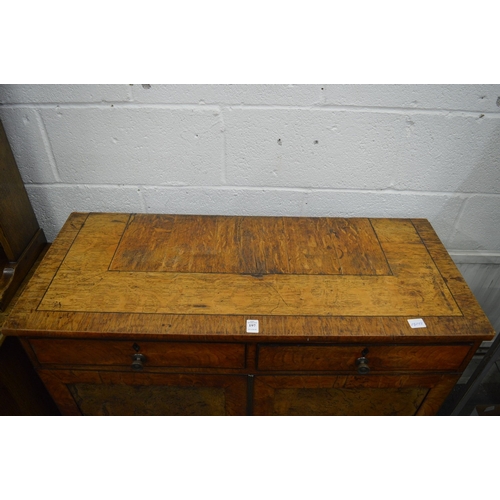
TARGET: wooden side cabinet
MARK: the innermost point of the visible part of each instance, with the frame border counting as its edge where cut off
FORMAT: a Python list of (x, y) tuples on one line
[(21, 244), (135, 314), (21, 239)]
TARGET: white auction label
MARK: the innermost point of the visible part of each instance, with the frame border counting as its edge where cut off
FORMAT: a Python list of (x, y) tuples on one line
[(417, 323), (252, 326)]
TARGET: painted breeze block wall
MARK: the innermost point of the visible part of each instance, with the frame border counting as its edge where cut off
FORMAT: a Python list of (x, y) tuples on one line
[(429, 151)]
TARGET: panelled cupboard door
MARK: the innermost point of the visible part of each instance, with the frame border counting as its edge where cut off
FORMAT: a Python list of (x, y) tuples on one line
[(136, 394), (350, 395)]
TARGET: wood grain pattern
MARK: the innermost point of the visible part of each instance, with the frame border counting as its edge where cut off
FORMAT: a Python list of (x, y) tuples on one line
[(224, 294), (353, 402), (310, 246), (470, 308), (380, 358), (18, 223), (115, 393), (13, 273), (435, 397), (357, 247), (148, 400), (249, 245), (98, 352), (21, 239), (281, 301), (345, 395), (84, 283)]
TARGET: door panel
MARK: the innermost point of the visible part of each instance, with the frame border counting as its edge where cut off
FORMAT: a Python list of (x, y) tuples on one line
[(117, 393), (348, 395)]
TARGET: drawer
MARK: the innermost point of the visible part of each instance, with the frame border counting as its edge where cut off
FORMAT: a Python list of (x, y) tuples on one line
[(157, 354), (380, 357)]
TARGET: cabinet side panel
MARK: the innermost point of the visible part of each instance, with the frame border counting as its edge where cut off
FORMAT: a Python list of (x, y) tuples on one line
[(18, 223)]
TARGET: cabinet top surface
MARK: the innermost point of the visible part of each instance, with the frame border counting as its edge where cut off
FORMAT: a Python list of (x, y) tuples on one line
[(120, 274)]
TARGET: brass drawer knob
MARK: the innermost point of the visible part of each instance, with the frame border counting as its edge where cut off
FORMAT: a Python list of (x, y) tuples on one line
[(138, 361), (362, 364)]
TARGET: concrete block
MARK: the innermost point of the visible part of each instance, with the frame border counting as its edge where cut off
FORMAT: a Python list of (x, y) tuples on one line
[(289, 95), (363, 150), (24, 130), (39, 94), (224, 201), (439, 97), (121, 145), (313, 148), (478, 227), (53, 204), (450, 153)]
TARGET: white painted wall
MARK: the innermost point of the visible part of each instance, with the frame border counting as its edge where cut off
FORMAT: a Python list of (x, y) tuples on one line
[(429, 151), (348, 150)]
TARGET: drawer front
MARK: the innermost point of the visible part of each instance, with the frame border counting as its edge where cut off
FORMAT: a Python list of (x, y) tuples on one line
[(157, 354), (380, 358)]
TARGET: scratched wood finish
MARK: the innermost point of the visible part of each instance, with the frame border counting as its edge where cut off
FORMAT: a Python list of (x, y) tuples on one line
[(84, 283), (249, 245), (80, 286)]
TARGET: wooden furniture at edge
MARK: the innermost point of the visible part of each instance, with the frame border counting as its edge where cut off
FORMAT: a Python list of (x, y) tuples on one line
[(21, 239), (147, 314), (22, 242)]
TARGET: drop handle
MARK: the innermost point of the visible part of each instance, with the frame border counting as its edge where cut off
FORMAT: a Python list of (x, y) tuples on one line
[(138, 361), (362, 364)]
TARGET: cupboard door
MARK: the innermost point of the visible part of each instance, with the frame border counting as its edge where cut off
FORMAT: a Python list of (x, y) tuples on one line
[(117, 393), (351, 395)]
